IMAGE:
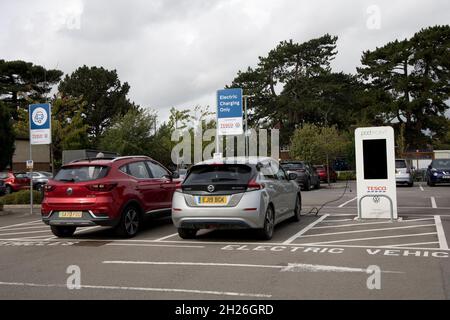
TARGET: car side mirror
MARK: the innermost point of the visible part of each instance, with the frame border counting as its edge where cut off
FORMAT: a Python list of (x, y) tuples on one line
[(175, 175), (292, 176), (430, 167)]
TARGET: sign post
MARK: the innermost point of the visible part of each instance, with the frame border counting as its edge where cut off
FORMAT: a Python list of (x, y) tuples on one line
[(375, 172), (40, 133), (229, 113)]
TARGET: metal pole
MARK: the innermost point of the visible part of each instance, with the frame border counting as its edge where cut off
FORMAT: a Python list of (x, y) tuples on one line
[(31, 182), (246, 125)]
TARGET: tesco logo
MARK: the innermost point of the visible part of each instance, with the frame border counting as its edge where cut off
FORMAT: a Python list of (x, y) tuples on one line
[(377, 189)]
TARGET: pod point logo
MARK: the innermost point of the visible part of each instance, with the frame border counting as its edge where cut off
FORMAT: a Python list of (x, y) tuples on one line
[(39, 116)]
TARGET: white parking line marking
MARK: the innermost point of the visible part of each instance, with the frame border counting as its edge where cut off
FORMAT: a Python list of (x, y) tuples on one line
[(26, 228), (347, 202), (167, 237), (365, 223), (339, 220), (298, 234), (413, 244), (184, 242), (371, 238), (433, 202), (421, 188), (440, 232), (153, 245), (208, 264), (171, 290), (10, 234), (297, 267), (83, 230), (20, 224), (366, 230), (292, 267)]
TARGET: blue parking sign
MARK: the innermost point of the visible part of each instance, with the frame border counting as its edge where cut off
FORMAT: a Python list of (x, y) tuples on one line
[(40, 123), (229, 111)]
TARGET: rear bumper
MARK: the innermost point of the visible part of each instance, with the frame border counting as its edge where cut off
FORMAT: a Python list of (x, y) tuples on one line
[(87, 219), (403, 178), (204, 217)]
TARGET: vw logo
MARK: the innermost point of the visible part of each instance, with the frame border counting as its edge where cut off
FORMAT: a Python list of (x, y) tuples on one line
[(210, 188), (69, 191)]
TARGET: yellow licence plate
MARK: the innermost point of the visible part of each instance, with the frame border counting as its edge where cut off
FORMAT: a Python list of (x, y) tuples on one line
[(214, 200), (70, 214)]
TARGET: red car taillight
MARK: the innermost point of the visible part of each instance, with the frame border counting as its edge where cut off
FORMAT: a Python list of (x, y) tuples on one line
[(101, 186), (178, 187), (48, 188), (253, 185)]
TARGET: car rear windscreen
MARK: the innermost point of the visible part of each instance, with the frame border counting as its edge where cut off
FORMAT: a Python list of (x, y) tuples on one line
[(293, 166), (399, 164), (375, 159), (81, 173), (223, 174)]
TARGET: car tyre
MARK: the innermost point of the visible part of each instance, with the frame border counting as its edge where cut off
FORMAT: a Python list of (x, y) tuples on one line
[(63, 231), (187, 233), (297, 209), (317, 186), (8, 189), (130, 222), (429, 183), (266, 232), (411, 184), (307, 185)]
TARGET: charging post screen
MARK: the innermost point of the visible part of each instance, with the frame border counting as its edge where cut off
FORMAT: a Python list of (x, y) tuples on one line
[(375, 159)]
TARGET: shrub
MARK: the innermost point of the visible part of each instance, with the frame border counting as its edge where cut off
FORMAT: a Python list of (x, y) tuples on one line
[(346, 175), (21, 197)]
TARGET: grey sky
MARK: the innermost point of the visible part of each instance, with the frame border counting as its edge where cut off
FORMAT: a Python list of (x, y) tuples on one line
[(178, 53)]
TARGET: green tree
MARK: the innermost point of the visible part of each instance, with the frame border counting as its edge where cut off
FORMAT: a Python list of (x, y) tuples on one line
[(7, 136), (318, 144), (294, 85), (410, 82), (131, 134), (105, 96), (22, 82), (68, 128)]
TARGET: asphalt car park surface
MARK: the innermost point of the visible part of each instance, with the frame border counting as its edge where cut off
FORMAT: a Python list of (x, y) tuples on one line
[(324, 256)]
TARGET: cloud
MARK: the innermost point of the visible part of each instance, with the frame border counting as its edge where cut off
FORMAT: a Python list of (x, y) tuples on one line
[(178, 53)]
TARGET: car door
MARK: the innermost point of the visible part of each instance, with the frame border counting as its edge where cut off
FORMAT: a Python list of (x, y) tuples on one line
[(146, 187), (271, 185), (287, 191), (167, 185)]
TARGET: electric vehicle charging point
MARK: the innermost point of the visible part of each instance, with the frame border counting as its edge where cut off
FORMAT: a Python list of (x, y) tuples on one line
[(375, 173)]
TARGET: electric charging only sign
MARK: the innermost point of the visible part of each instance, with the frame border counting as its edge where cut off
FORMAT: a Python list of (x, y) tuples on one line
[(229, 112), (40, 123)]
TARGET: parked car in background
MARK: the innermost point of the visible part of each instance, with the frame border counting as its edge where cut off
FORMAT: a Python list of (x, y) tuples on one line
[(118, 192), (438, 172), (322, 171), (40, 178), (2, 187), (182, 173), (235, 193), (403, 173), (15, 181), (307, 175)]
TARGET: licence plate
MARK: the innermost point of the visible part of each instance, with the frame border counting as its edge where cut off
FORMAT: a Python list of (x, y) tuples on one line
[(446, 177), (70, 214), (213, 200)]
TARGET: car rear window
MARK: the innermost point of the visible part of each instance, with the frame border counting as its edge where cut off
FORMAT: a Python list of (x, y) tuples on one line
[(3, 175), (223, 174), (441, 164), (81, 173), (400, 164), (293, 166)]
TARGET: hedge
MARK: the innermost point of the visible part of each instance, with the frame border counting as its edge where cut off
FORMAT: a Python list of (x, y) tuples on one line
[(21, 197)]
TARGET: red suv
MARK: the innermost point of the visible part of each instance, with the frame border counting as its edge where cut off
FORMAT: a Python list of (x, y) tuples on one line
[(117, 192), (15, 181), (322, 171)]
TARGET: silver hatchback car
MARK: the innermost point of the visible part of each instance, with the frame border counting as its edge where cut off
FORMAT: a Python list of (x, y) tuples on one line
[(235, 193)]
